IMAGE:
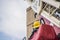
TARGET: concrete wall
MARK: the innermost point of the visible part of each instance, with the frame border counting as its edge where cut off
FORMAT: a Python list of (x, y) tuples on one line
[(30, 20)]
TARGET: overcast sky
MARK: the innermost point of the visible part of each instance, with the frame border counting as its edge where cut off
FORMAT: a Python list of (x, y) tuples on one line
[(13, 17)]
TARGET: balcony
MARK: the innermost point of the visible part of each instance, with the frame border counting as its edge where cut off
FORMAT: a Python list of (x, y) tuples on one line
[(52, 2)]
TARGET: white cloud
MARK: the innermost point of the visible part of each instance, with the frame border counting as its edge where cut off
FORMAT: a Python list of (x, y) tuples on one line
[(14, 17)]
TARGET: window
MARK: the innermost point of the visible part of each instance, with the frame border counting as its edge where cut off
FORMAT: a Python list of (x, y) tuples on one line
[(58, 0), (43, 5), (48, 8), (56, 14), (31, 0)]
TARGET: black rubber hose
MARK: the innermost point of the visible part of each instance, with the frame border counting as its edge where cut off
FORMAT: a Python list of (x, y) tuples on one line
[(42, 20)]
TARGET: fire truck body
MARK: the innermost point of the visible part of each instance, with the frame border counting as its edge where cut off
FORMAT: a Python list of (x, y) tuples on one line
[(51, 14)]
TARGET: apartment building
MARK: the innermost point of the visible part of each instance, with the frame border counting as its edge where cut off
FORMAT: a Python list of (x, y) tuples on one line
[(45, 9)]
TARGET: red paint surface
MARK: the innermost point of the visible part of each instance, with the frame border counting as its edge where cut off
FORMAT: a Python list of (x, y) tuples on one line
[(57, 30), (45, 32)]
